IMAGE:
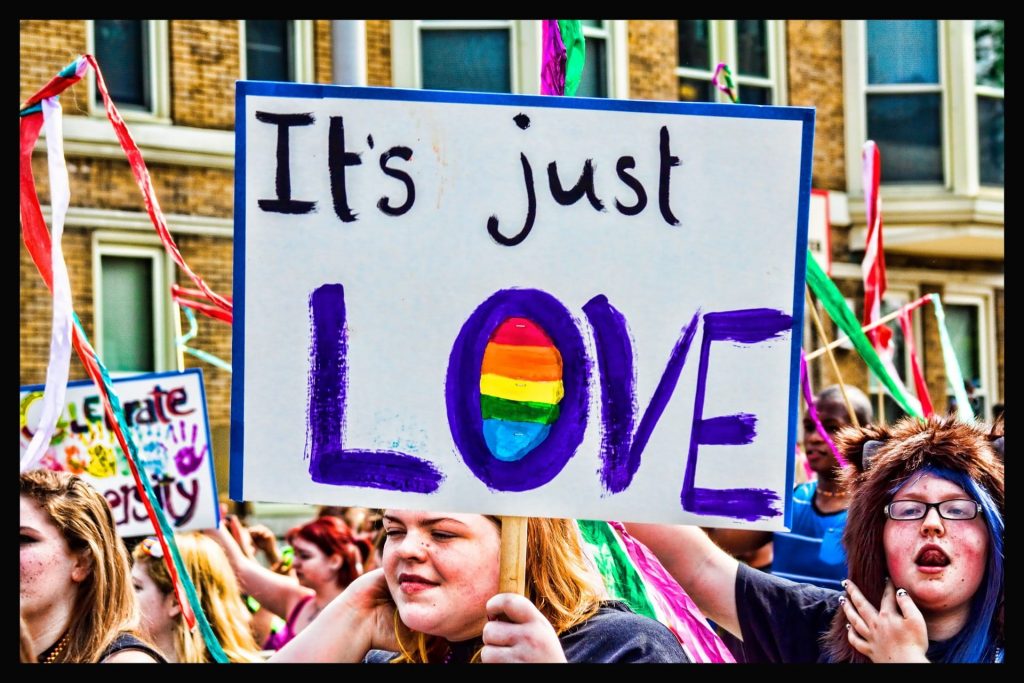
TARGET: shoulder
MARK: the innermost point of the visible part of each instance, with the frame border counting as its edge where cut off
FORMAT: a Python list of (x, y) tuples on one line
[(128, 648), (617, 634), (804, 493)]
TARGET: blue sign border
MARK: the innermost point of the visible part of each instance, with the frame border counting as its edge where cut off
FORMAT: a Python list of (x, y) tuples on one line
[(244, 89)]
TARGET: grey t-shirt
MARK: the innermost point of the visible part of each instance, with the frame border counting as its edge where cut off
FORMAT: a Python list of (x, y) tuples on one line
[(614, 635)]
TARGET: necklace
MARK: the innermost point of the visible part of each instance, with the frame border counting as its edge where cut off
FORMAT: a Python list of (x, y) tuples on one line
[(51, 655), (831, 494)]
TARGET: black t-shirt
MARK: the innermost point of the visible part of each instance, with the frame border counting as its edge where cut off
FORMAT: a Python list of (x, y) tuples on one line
[(781, 621), (614, 635)]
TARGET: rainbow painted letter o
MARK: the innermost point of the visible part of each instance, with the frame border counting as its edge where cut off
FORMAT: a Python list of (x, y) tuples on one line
[(520, 388)]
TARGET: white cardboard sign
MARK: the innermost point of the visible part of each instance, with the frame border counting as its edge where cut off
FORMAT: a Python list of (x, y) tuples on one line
[(166, 416), (519, 305)]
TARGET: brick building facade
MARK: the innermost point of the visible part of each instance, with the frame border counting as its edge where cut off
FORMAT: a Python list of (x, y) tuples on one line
[(946, 240)]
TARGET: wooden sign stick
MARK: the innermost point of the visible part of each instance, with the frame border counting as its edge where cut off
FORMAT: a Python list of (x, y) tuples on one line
[(512, 570)]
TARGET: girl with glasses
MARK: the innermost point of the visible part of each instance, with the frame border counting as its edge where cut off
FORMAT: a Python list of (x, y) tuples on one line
[(924, 543)]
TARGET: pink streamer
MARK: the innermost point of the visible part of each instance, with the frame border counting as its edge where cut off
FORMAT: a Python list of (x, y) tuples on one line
[(686, 619), (552, 67), (813, 411)]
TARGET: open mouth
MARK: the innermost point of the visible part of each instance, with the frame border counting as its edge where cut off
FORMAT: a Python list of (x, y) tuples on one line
[(931, 556)]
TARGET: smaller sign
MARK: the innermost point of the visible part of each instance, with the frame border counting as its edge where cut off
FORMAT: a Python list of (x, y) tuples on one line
[(166, 415), (819, 236)]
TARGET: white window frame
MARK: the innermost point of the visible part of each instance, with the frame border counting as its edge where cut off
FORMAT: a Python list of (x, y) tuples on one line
[(723, 47), (525, 45), (302, 50), (959, 115), (109, 243), (984, 299), (979, 91), (904, 293), (159, 76)]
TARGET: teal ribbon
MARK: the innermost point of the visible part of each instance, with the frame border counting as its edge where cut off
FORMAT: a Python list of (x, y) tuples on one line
[(953, 374)]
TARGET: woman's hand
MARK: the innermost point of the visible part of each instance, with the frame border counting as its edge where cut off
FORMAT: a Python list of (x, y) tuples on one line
[(360, 619), (896, 632), (264, 539), (516, 631)]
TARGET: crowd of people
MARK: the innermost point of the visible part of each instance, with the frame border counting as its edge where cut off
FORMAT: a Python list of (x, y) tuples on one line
[(896, 557)]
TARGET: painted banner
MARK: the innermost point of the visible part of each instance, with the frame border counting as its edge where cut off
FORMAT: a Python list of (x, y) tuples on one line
[(166, 413), (518, 305)]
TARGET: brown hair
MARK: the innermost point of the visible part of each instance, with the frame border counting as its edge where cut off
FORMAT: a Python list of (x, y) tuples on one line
[(219, 595), (104, 602), (559, 581), (903, 449)]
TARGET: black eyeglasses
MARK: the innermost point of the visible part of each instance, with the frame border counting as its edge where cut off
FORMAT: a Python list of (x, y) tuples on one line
[(908, 510)]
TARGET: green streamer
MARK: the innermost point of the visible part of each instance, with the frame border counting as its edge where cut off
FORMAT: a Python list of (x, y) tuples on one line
[(837, 309), (575, 53), (953, 374), (620, 577)]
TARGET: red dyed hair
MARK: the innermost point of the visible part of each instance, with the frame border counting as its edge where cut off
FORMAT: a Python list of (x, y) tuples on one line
[(333, 537)]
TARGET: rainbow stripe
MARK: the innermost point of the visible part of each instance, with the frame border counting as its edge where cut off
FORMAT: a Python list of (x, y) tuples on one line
[(520, 388)]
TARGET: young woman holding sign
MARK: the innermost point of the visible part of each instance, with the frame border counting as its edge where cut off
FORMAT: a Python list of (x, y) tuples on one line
[(436, 600), (924, 542), (327, 559), (76, 598)]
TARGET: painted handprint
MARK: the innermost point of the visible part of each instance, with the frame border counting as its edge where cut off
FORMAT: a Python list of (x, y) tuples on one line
[(187, 458), (100, 448), (153, 454), (49, 460)]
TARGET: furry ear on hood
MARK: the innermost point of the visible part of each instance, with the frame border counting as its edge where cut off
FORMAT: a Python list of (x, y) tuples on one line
[(850, 441)]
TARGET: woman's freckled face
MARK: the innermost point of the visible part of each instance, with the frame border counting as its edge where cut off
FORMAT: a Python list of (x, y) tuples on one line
[(46, 561)]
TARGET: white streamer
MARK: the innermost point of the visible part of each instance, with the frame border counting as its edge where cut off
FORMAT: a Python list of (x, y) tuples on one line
[(60, 342)]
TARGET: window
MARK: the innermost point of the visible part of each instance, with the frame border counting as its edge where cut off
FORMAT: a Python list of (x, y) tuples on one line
[(969, 322), (277, 50), (133, 57), (988, 63), (132, 304), (500, 55), (931, 95), (752, 49)]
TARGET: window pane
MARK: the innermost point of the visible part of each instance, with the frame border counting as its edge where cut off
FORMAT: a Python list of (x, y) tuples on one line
[(908, 131), (962, 323), (695, 90), (752, 47), (755, 94), (466, 60), (122, 52), (694, 44), (990, 140), (267, 50), (594, 82), (595, 23), (988, 52), (903, 52), (127, 286)]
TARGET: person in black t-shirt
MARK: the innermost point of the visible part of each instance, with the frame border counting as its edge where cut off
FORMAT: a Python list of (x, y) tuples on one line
[(436, 600), (924, 542)]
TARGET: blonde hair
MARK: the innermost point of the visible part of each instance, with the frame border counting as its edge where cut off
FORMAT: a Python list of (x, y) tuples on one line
[(560, 582), (104, 602), (221, 600)]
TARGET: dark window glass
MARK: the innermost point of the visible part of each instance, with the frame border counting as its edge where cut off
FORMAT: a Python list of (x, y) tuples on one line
[(755, 94), (122, 51), (908, 131), (594, 81), (694, 44), (991, 140), (127, 287), (695, 90), (268, 50), (476, 60), (752, 47)]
